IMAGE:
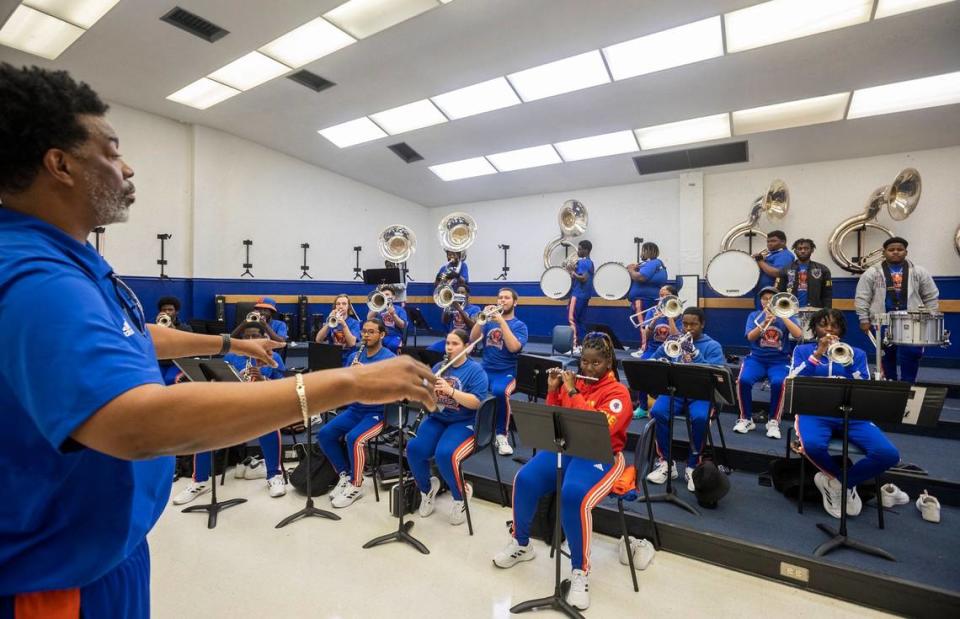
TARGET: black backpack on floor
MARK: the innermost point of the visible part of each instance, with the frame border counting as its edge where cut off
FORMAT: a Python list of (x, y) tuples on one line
[(323, 476)]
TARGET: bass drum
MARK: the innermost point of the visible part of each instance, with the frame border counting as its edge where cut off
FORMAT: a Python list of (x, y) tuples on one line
[(612, 281), (556, 283), (733, 273)]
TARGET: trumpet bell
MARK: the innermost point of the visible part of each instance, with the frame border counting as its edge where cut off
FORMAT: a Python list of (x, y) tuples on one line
[(254, 317), (397, 243), (164, 320), (784, 305), (457, 232), (378, 302), (671, 306), (332, 321), (840, 353), (444, 296)]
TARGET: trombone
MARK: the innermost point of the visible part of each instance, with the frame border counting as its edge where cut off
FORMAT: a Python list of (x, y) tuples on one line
[(485, 316), (782, 305), (670, 306), (677, 345)]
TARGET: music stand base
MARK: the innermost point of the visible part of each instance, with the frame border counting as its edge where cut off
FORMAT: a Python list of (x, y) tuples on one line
[(306, 512), (213, 509), (837, 540), (672, 498), (401, 535), (557, 602)]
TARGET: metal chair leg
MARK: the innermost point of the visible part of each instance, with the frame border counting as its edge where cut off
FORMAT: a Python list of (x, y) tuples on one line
[(496, 469), (376, 468), (879, 503), (626, 540), (466, 502)]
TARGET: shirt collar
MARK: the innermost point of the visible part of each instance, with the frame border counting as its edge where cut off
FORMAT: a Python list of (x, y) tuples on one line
[(83, 254)]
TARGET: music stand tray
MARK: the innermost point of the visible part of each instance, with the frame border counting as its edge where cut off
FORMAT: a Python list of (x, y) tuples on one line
[(532, 374), (566, 432), (321, 356), (865, 400), (204, 371)]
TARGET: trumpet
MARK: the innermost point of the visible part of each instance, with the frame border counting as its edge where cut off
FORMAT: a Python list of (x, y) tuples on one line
[(677, 345), (334, 320), (670, 306), (782, 305), (485, 316), (840, 353), (246, 374), (378, 302), (164, 320), (555, 371), (254, 317), (445, 297)]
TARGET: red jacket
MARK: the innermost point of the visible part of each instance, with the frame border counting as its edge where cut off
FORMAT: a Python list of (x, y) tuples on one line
[(606, 396)]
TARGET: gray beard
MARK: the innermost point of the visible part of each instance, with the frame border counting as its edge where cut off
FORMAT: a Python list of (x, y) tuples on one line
[(109, 205)]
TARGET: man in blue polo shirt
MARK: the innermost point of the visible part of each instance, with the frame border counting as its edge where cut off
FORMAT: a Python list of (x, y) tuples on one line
[(88, 426)]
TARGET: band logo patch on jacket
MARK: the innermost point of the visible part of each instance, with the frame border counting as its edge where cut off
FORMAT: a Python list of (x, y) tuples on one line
[(495, 338), (772, 338)]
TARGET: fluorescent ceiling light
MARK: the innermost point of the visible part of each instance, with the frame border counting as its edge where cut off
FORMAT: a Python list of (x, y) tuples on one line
[(466, 168), (353, 132), (37, 33), (903, 96), (248, 71), (408, 117), (203, 93), (483, 97), (886, 8), (555, 78), (598, 146), (361, 18), (523, 158), (83, 13), (702, 129), (663, 50), (302, 45), (791, 114), (783, 20)]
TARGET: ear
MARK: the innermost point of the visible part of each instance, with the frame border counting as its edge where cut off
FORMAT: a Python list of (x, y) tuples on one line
[(60, 165)]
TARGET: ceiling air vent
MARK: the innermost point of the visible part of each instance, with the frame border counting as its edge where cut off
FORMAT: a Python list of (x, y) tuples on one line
[(194, 24), (311, 80), (721, 154), (406, 153)]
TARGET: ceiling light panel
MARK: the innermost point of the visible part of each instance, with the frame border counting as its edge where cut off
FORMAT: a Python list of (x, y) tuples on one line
[(203, 93), (408, 117), (598, 146), (362, 18), (716, 127), (486, 96), (886, 8), (662, 50), (353, 132), (523, 158), (37, 33), (83, 13), (249, 71), (466, 168), (561, 76), (315, 39), (783, 20), (791, 114), (903, 96)]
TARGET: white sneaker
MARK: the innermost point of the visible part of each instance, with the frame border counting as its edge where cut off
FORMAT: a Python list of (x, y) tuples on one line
[(890, 495), (340, 487), (191, 492), (744, 425), (503, 445), (688, 475), (348, 496), (830, 489), (241, 468), (659, 474), (854, 503), (514, 553), (579, 595), (277, 485), (929, 507), (257, 469), (643, 553), (426, 498), (637, 354), (773, 429), (458, 513)]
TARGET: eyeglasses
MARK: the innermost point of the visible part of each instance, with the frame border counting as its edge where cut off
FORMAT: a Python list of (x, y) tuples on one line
[(369, 331), (130, 304)]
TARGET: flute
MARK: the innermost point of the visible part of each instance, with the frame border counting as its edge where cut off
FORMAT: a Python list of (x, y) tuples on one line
[(466, 351), (589, 379)]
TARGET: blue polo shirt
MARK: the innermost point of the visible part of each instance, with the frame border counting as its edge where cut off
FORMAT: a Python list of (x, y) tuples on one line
[(583, 289), (469, 378), (496, 358), (68, 514), (780, 260), (656, 273)]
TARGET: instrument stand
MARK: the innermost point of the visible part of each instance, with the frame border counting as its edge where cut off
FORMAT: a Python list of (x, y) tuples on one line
[(566, 432), (638, 241), (402, 534), (405, 273), (867, 400), (247, 265), (98, 232), (163, 238), (304, 267), (357, 271), (214, 507), (506, 269), (309, 509), (750, 236)]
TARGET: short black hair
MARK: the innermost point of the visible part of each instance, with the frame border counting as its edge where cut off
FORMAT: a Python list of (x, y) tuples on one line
[(800, 242), (778, 234), (382, 328), (39, 110), (171, 300), (828, 314), (651, 249), (462, 283), (696, 311), (587, 245), (896, 239)]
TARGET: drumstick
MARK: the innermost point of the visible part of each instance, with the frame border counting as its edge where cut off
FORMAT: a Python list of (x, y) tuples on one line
[(590, 379)]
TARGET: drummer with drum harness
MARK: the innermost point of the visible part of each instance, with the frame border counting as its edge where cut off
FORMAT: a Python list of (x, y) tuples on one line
[(903, 297), (810, 282)]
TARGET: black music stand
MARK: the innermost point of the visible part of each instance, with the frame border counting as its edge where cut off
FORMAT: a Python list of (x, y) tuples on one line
[(322, 356), (402, 534), (532, 381), (377, 277), (210, 371), (417, 320), (566, 432), (867, 400)]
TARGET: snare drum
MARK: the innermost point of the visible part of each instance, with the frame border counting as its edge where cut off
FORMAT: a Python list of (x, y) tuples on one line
[(556, 283), (612, 281), (915, 328), (804, 314), (733, 273)]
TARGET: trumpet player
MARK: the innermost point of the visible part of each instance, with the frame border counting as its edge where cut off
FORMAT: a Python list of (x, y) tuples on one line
[(394, 318), (448, 435), (814, 433), (805, 279), (769, 357), (647, 278), (251, 371), (504, 335), (580, 292), (457, 316), (699, 348), (654, 334), (342, 328), (275, 329)]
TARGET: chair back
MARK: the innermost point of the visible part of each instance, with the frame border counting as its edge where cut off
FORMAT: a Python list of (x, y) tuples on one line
[(484, 426), (562, 339), (641, 453)]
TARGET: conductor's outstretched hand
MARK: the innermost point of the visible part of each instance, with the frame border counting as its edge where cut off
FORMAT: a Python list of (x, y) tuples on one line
[(400, 378)]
